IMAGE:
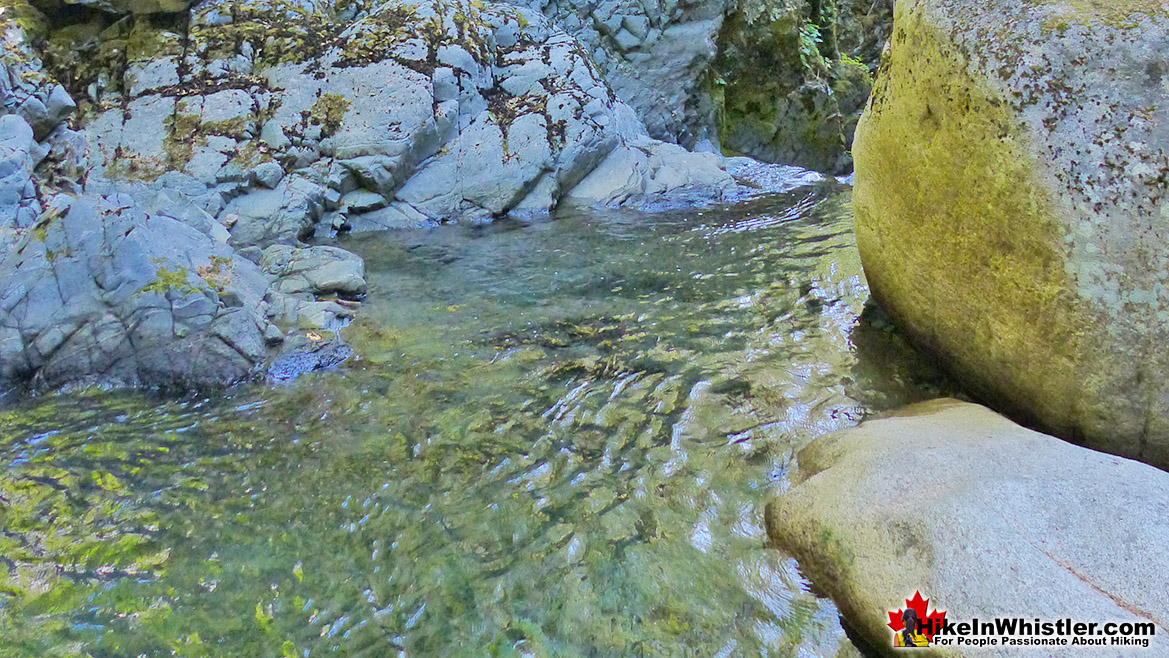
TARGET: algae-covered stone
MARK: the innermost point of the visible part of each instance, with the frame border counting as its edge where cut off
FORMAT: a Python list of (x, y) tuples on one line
[(983, 517), (783, 92), (1011, 206)]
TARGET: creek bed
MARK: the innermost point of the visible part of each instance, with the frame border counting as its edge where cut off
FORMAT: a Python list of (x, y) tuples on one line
[(557, 440)]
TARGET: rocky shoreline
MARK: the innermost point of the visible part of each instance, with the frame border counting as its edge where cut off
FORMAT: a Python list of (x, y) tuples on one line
[(170, 171), (218, 138)]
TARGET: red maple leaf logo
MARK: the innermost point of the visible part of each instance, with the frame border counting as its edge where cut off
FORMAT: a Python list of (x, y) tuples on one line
[(931, 622)]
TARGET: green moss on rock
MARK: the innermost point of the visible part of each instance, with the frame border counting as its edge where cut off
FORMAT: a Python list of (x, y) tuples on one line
[(941, 161), (328, 112)]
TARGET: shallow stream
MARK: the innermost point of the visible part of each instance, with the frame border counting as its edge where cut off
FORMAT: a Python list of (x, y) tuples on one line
[(557, 440)]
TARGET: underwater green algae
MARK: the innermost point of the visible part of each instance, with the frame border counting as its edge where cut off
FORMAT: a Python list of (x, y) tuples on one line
[(557, 440)]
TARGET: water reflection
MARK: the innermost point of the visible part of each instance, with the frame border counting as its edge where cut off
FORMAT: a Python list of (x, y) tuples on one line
[(557, 439)]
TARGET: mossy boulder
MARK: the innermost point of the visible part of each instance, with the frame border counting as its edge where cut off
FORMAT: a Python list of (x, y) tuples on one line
[(1012, 207), (983, 517)]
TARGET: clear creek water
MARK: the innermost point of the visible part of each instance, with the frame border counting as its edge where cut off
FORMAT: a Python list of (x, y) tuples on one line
[(557, 440)]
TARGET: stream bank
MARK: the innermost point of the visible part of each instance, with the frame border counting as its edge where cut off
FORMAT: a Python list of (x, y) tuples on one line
[(557, 439)]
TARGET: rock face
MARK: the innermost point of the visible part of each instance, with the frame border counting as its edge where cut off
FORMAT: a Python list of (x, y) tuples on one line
[(985, 518), (1011, 207), (399, 114), (654, 54), (102, 286), (766, 78), (100, 290)]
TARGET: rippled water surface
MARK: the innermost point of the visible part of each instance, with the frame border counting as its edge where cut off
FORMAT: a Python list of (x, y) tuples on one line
[(558, 440)]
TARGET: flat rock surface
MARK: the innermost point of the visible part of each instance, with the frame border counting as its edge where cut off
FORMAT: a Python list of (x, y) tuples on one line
[(985, 518)]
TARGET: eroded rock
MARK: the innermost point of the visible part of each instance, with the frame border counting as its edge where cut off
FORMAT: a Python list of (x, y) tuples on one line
[(100, 290)]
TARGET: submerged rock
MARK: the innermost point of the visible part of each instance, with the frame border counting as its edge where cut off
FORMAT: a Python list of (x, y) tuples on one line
[(1011, 207), (303, 353), (983, 517)]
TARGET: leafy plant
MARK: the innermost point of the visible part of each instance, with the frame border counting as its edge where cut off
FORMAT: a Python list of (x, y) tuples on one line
[(810, 39)]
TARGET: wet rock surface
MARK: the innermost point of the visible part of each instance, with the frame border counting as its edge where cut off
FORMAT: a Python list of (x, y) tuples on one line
[(303, 353)]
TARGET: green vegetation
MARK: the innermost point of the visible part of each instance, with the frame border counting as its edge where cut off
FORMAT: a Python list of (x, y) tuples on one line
[(781, 87), (169, 280), (328, 111)]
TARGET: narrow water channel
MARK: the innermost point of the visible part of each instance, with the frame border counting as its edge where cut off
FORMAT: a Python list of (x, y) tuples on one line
[(557, 439)]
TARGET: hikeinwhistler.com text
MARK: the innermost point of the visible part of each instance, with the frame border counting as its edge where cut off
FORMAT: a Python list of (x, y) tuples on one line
[(1016, 631)]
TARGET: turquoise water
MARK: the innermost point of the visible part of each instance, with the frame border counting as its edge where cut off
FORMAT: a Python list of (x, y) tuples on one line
[(557, 440)]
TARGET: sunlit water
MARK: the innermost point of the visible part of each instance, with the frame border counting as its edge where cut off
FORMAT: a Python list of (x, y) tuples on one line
[(557, 440)]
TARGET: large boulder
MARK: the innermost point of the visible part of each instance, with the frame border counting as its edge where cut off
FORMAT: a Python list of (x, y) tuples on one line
[(983, 517), (1011, 207)]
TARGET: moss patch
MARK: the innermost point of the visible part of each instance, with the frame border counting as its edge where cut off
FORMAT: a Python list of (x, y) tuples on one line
[(328, 112), (168, 280)]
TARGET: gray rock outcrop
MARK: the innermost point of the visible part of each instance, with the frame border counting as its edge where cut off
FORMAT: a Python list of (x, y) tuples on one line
[(983, 517), (106, 287), (402, 114), (98, 290)]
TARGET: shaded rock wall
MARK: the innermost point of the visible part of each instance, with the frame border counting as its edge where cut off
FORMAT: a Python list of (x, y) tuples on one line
[(778, 80)]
